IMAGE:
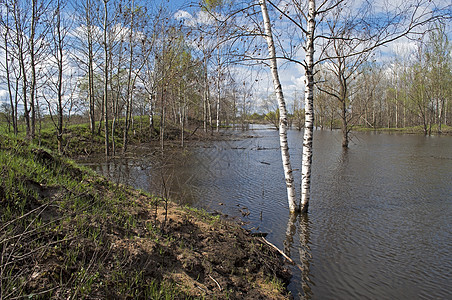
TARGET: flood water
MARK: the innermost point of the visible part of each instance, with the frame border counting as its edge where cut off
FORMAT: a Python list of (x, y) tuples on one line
[(380, 216)]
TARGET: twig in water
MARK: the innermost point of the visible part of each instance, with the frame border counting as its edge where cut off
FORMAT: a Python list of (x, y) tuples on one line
[(280, 251), (283, 254)]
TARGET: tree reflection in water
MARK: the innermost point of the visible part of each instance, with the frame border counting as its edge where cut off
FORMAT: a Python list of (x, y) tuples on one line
[(305, 257)]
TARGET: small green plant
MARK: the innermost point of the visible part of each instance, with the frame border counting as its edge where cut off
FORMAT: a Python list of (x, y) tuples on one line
[(275, 283), (161, 291)]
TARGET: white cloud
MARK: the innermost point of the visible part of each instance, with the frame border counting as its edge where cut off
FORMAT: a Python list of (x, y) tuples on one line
[(401, 47), (3, 94), (182, 14), (198, 19)]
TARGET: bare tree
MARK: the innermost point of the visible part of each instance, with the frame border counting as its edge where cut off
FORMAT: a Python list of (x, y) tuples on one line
[(345, 69), (8, 64), (141, 38), (90, 43), (393, 23), (106, 70), (59, 37), (109, 41), (19, 15), (438, 55)]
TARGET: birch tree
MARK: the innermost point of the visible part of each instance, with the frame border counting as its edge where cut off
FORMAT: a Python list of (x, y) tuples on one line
[(288, 174), (309, 108), (141, 39), (32, 54), (394, 22)]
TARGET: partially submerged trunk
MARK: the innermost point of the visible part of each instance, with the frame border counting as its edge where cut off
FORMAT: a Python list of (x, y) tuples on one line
[(293, 207), (309, 111), (345, 126)]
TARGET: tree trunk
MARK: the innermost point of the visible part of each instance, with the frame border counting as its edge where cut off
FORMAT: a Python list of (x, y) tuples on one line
[(445, 112), (293, 207), (205, 97), (23, 71), (243, 116), (309, 110), (396, 108), (345, 138), (182, 138), (151, 116), (162, 118), (129, 85), (33, 68), (115, 99), (60, 81), (440, 118), (107, 143), (8, 79), (102, 114), (218, 87), (218, 106), (92, 120)]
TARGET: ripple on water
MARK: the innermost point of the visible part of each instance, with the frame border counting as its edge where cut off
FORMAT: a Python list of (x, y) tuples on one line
[(379, 225)]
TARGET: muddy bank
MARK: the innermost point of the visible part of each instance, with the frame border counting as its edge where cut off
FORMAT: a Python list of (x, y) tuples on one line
[(68, 233)]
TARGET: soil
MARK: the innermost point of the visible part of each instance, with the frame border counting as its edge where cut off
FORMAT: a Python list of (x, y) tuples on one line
[(100, 240), (213, 257), (201, 256)]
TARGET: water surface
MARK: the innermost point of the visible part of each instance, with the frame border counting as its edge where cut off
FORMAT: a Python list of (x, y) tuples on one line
[(379, 225)]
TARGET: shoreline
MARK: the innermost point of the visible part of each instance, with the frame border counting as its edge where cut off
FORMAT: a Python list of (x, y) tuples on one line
[(68, 232)]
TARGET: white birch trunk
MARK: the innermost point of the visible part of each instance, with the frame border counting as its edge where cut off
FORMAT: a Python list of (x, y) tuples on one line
[(218, 85), (293, 207), (218, 105), (33, 67), (151, 117), (309, 111)]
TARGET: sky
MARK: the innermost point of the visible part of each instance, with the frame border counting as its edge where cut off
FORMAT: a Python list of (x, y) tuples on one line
[(291, 76)]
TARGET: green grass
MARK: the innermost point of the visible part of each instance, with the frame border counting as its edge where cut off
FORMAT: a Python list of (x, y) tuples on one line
[(445, 129), (66, 232), (78, 140), (57, 223), (203, 215)]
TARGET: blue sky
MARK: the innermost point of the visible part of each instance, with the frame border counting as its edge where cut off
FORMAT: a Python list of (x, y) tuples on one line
[(292, 76)]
